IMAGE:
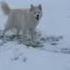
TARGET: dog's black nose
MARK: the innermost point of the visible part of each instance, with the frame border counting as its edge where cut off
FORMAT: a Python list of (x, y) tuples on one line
[(37, 17)]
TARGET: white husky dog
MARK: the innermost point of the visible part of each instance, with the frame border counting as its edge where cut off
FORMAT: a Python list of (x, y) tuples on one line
[(25, 20)]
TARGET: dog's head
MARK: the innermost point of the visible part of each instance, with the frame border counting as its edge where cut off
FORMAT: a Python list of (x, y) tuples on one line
[(36, 11)]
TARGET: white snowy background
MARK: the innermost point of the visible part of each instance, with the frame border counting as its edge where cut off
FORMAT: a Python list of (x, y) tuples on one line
[(55, 22)]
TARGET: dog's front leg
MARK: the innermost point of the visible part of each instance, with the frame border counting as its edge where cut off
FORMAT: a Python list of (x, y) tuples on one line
[(33, 35)]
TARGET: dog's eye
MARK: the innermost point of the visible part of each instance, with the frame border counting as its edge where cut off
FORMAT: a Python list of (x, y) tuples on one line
[(38, 11), (34, 12)]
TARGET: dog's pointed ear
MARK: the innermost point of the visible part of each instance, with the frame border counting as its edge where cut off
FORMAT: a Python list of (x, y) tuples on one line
[(40, 6), (32, 7)]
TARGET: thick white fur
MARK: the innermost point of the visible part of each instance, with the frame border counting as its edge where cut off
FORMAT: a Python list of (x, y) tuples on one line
[(22, 19)]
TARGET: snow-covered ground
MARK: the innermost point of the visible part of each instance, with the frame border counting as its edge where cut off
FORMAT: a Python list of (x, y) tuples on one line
[(54, 23)]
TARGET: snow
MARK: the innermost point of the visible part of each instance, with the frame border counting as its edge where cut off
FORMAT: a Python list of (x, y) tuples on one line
[(55, 22)]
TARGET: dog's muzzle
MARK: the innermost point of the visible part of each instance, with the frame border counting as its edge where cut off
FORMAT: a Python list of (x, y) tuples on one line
[(37, 17)]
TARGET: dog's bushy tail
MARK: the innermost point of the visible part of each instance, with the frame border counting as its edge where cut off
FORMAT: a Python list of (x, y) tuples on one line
[(5, 8)]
